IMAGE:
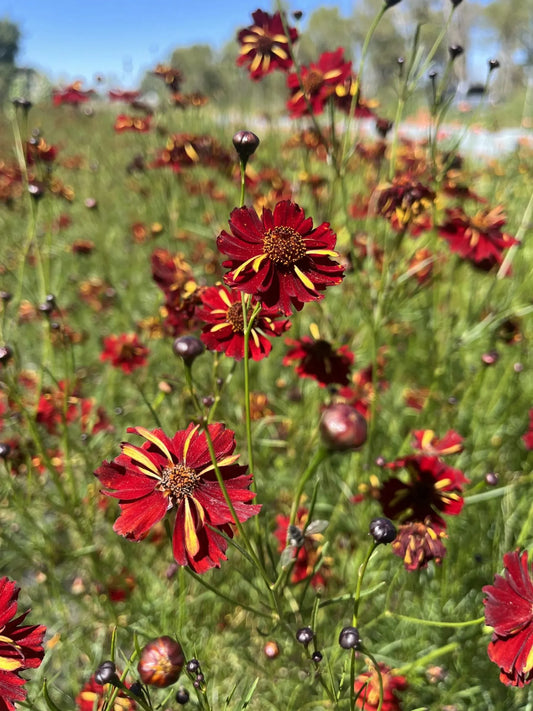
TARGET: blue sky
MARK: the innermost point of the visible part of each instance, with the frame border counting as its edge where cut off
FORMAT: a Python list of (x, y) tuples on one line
[(71, 39), (121, 39)]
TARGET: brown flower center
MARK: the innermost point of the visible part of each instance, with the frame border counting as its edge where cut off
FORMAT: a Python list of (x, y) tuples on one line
[(264, 44), (235, 318), (313, 81), (179, 481), (283, 245)]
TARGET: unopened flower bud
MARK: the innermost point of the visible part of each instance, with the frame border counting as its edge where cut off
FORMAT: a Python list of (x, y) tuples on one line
[(317, 657), (382, 530), (192, 666), (182, 696), (493, 64), (390, 3), (106, 673), (5, 354), (36, 190), (349, 638), (455, 3), (271, 649), (455, 50), (492, 478), (304, 635), (5, 450), (342, 427), (188, 348), (161, 662), (245, 143)]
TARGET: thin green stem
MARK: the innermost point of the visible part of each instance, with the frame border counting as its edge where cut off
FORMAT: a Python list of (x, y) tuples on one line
[(360, 576)]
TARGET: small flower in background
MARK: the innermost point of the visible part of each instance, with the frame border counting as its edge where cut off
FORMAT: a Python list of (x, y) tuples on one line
[(426, 442), (302, 543), (319, 82), (92, 697), (183, 150), (124, 96), (124, 351), (367, 689), (39, 151), (509, 610), (172, 77), (280, 258), (405, 202), (317, 359), (178, 473), (434, 489), (20, 646), (135, 124), (527, 438), (418, 542), (72, 94), (224, 330), (265, 45), (344, 98), (478, 239), (361, 391)]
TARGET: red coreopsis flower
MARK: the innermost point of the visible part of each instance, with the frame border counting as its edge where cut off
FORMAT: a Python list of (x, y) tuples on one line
[(478, 239), (427, 442), (72, 94), (135, 124), (433, 489), (318, 359), (509, 610), (281, 259), (319, 82), (93, 696), (20, 646), (265, 46), (527, 438), (417, 543), (124, 351), (367, 689), (172, 77), (183, 150), (347, 94), (125, 96), (178, 473), (224, 329)]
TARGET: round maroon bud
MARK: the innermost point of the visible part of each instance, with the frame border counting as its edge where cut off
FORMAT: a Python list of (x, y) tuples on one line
[(380, 461), (6, 296), (106, 673), (317, 657), (455, 3), (455, 50), (5, 450), (349, 638), (46, 308), (208, 401), (192, 666), (304, 635), (90, 203), (342, 427), (492, 478), (490, 358), (245, 143), (271, 649), (182, 696), (382, 530), (161, 662), (493, 64), (391, 3), (36, 190), (297, 14), (518, 367), (188, 348), (5, 354)]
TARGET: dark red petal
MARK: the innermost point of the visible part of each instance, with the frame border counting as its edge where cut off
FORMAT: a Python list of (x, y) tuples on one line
[(138, 517)]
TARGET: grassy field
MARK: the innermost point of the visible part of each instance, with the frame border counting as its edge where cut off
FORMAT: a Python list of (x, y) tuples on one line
[(428, 328)]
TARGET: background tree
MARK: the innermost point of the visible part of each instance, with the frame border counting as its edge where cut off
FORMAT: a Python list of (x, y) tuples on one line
[(9, 47)]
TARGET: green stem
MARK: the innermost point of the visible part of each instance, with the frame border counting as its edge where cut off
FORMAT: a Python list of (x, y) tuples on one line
[(319, 457), (360, 576), (435, 623)]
